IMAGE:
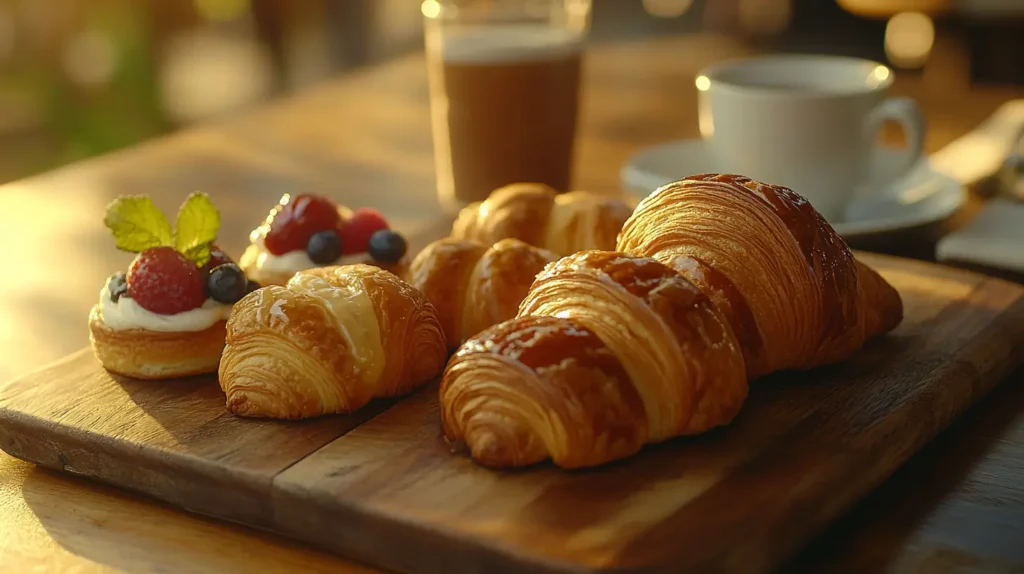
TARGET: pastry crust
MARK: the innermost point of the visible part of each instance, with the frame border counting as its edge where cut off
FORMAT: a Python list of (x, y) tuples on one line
[(329, 341), (473, 286), (790, 286), (534, 213), (609, 352), (718, 279), (143, 354)]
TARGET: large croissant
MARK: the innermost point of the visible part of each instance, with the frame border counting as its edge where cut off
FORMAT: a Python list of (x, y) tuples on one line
[(473, 286), (329, 341), (536, 214), (718, 280)]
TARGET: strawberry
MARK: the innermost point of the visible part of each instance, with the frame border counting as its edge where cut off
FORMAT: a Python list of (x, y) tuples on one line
[(217, 257), (293, 223), (164, 281), (355, 234)]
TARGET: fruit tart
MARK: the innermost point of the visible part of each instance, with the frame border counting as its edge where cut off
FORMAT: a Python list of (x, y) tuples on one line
[(166, 316), (308, 231)]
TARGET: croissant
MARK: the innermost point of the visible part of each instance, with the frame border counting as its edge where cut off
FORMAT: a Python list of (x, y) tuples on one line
[(717, 280), (534, 213), (473, 286), (788, 284), (329, 341)]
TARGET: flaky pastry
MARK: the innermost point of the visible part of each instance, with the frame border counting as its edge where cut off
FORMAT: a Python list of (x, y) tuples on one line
[(534, 213), (329, 341), (717, 280), (473, 286)]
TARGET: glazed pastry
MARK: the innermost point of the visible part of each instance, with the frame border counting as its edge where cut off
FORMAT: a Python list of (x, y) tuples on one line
[(609, 352), (165, 317), (329, 341), (473, 286), (718, 280), (789, 285), (309, 231), (534, 213)]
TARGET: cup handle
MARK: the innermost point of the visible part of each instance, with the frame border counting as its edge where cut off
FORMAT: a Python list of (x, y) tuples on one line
[(906, 112)]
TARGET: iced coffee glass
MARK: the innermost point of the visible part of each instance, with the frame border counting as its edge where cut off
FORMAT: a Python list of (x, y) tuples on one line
[(504, 92)]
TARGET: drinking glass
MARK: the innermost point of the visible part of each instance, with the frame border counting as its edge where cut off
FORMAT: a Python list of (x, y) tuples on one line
[(504, 92)]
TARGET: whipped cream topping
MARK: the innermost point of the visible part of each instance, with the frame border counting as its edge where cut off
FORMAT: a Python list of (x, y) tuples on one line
[(126, 314), (268, 265)]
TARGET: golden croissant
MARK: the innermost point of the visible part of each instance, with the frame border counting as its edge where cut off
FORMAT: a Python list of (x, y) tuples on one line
[(473, 286), (534, 213), (718, 279), (329, 341)]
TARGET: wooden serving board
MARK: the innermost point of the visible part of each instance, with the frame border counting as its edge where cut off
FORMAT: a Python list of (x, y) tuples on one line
[(381, 487)]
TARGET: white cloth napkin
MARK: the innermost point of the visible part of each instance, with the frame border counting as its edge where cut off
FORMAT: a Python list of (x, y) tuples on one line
[(995, 237)]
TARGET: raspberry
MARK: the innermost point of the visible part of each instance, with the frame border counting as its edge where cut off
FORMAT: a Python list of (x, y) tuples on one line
[(296, 221), (163, 281), (217, 258), (355, 235)]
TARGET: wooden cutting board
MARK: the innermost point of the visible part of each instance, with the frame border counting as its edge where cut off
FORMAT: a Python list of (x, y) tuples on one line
[(381, 486)]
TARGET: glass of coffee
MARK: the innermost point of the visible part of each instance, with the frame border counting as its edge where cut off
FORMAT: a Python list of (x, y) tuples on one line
[(504, 92)]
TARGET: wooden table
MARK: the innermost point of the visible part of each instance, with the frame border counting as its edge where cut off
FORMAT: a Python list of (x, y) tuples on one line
[(958, 505)]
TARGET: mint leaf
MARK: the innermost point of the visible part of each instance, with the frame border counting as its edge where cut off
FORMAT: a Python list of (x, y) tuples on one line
[(196, 229), (137, 224)]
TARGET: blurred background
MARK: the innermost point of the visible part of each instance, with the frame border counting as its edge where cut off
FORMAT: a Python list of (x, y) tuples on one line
[(83, 77)]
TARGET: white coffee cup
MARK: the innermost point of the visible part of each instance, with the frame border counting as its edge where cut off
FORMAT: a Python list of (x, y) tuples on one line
[(807, 122)]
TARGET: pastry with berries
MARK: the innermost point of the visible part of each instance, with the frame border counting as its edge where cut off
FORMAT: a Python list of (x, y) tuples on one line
[(165, 317), (309, 231)]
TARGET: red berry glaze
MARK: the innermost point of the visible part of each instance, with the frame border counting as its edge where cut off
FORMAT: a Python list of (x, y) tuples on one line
[(163, 281), (355, 235), (217, 257), (293, 223)]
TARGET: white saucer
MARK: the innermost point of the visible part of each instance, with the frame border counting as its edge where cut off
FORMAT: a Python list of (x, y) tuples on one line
[(923, 196)]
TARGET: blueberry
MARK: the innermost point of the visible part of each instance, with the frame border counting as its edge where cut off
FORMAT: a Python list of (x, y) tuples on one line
[(387, 246), (226, 283), (118, 286), (252, 286), (324, 247)]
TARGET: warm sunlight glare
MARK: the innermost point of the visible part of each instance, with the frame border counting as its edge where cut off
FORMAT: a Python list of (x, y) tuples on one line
[(703, 83), (431, 9), (908, 39), (878, 76)]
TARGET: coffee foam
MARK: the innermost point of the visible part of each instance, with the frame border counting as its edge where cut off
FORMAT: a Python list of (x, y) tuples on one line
[(509, 43)]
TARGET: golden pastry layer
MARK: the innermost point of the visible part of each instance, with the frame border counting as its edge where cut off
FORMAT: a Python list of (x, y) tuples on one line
[(329, 341), (718, 279), (473, 286), (790, 286), (609, 352), (143, 354), (534, 213)]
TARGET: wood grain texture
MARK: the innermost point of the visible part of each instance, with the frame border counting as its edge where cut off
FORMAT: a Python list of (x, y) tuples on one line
[(745, 498)]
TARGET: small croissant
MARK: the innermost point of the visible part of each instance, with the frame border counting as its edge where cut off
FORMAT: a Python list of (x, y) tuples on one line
[(329, 341), (473, 286), (535, 214)]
